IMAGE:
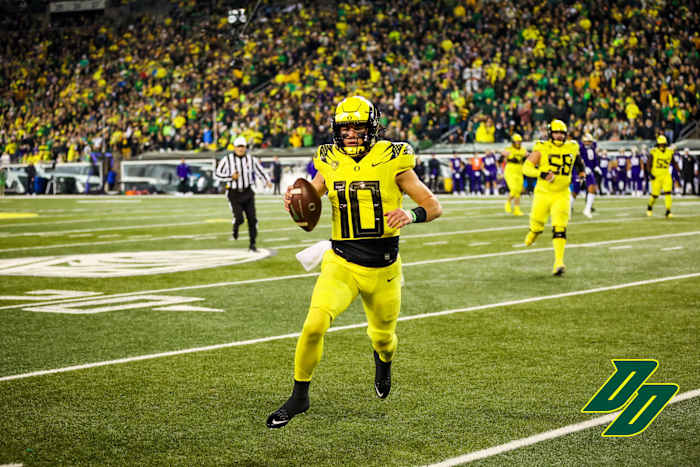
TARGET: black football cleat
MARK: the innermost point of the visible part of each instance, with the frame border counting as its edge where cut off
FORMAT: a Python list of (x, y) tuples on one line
[(382, 377), (234, 234), (253, 249), (284, 414)]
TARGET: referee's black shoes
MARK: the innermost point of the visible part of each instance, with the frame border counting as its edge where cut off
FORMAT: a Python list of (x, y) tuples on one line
[(382, 377), (235, 232), (253, 249)]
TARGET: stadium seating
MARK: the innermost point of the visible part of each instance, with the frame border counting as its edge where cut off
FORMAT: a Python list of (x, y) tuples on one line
[(456, 72)]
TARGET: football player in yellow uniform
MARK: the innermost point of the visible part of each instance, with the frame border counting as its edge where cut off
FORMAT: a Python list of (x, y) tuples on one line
[(658, 168), (552, 162), (515, 155), (365, 180)]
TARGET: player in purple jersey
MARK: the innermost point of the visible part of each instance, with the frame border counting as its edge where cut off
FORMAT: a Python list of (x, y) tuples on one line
[(467, 175), (457, 180), (604, 163), (491, 172), (589, 154), (635, 173)]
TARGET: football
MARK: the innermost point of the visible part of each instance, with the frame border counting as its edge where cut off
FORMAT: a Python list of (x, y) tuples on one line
[(305, 207)]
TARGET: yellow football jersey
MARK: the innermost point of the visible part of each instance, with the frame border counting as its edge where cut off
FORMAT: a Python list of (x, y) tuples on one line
[(661, 161), (362, 191), (558, 159), (515, 155)]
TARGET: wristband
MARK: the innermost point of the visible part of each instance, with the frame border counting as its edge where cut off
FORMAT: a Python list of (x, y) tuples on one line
[(419, 214)]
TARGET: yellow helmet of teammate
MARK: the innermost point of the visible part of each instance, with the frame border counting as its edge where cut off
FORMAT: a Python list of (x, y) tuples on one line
[(557, 126), (517, 138), (661, 140), (356, 110)]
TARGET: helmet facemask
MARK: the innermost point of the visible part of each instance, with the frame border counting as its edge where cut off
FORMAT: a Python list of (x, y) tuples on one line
[(557, 126), (359, 113)]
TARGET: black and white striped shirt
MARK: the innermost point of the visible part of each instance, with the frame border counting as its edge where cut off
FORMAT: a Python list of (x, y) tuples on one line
[(246, 167)]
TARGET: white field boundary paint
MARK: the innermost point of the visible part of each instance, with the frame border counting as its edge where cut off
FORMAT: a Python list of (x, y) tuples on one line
[(346, 327), (54, 233), (547, 435), (415, 263), (326, 227)]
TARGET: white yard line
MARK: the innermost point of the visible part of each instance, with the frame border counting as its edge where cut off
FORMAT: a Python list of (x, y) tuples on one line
[(621, 247), (440, 242), (342, 328), (199, 222), (547, 435), (415, 263), (672, 248)]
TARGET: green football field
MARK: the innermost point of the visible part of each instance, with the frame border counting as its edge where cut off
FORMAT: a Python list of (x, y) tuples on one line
[(136, 332)]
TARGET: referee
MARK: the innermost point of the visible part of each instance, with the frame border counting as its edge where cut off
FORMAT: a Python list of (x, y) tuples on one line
[(239, 169)]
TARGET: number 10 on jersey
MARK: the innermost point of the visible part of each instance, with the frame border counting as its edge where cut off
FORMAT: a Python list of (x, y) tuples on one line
[(350, 198)]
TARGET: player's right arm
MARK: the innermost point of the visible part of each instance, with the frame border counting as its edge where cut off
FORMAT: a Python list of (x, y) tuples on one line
[(530, 167)]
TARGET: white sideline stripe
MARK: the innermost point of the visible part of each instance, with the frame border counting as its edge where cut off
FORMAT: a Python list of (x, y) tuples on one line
[(11, 465), (313, 274), (621, 247), (342, 328), (55, 233), (244, 234), (672, 248), (544, 436)]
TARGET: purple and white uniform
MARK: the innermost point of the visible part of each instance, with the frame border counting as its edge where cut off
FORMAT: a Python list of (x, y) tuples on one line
[(604, 175), (589, 154), (636, 172), (490, 167), (457, 179)]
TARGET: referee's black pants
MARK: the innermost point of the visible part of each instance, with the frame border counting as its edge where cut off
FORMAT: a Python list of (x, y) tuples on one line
[(240, 202)]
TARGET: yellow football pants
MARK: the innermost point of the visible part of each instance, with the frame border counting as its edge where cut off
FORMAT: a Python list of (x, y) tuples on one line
[(514, 180), (555, 204), (338, 285), (662, 183)]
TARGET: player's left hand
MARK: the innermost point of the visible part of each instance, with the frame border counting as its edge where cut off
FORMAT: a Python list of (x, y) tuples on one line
[(397, 218)]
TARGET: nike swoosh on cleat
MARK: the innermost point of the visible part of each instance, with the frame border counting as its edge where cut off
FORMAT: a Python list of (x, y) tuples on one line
[(278, 422)]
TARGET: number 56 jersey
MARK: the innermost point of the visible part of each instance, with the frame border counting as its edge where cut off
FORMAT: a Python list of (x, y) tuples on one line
[(362, 191), (558, 159)]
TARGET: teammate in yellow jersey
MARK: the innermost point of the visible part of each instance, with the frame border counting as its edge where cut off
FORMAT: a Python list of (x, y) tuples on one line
[(515, 155), (552, 162), (658, 168), (365, 180)]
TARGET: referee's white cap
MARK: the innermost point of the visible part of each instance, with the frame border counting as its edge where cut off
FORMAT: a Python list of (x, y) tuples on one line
[(240, 141)]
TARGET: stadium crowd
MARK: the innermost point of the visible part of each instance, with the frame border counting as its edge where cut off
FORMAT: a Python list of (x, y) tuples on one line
[(460, 71)]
